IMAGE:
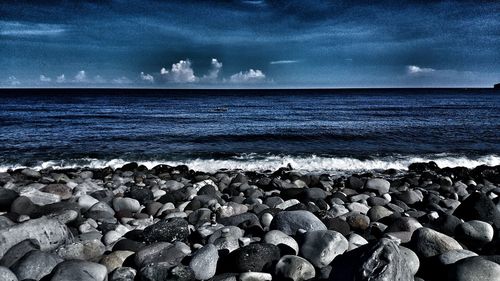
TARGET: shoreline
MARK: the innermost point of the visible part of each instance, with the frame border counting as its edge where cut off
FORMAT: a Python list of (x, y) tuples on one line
[(171, 222)]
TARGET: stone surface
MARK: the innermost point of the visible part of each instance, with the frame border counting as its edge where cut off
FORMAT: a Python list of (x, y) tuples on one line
[(79, 271), (474, 269), (175, 229), (291, 221), (294, 268), (7, 275), (427, 242), (204, 262), (320, 247), (381, 186), (35, 265)]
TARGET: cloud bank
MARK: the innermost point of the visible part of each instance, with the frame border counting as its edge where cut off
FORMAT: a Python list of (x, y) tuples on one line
[(250, 76)]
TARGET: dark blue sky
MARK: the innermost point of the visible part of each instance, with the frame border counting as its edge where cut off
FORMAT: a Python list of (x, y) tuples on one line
[(249, 43)]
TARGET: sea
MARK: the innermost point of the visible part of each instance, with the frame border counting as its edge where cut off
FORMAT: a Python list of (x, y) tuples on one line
[(313, 130)]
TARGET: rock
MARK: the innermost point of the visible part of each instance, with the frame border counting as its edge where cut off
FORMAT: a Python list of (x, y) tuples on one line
[(7, 275), (291, 221), (294, 268), (476, 269), (378, 261), (356, 241), (126, 204), (427, 243), (381, 186), (175, 229), (17, 251), (79, 270), (89, 250), (40, 198), (358, 207), (453, 256), (478, 206), (474, 233), (204, 262), (320, 247), (86, 201), (48, 234), (123, 274), (30, 173), (255, 276), (254, 257), (358, 221), (404, 224), (277, 238), (355, 183), (62, 190), (378, 212), (7, 196), (411, 258), (409, 197), (162, 252), (115, 259), (35, 265)]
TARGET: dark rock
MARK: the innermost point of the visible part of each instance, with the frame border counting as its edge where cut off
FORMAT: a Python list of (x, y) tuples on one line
[(18, 251), (7, 196), (142, 195), (355, 183), (478, 206), (378, 261), (474, 269), (79, 270), (422, 167), (35, 265), (175, 229), (426, 242), (254, 257), (338, 224)]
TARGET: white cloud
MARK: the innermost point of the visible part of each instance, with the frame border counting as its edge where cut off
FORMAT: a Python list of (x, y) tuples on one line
[(44, 78), (122, 80), (61, 78), (24, 29), (147, 77), (98, 79), (81, 76), (284, 62), (13, 81), (415, 70), (250, 76), (180, 72), (213, 72)]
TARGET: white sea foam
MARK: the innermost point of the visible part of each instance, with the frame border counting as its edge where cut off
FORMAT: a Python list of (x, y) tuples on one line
[(273, 162)]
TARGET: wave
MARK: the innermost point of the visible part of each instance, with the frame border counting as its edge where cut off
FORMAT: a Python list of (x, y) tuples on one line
[(255, 162)]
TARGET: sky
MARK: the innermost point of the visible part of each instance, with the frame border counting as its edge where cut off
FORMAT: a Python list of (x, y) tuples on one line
[(249, 43)]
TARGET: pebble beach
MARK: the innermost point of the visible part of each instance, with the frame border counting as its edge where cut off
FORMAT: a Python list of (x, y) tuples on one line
[(173, 223)]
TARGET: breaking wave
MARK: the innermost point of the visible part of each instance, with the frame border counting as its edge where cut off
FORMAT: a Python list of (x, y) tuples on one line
[(254, 162)]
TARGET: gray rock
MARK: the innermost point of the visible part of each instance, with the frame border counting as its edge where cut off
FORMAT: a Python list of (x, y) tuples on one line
[(35, 265), (89, 250), (123, 274), (474, 269), (474, 233), (378, 261), (409, 197), (453, 256), (404, 224), (277, 237), (115, 259), (358, 207), (175, 229), (291, 221), (294, 268), (18, 251), (255, 276), (7, 275), (427, 242), (320, 247), (204, 262), (381, 186), (79, 271), (48, 234), (411, 259), (162, 252), (126, 204), (356, 241), (377, 212)]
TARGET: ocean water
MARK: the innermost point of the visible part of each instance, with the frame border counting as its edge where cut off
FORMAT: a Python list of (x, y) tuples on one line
[(313, 130)]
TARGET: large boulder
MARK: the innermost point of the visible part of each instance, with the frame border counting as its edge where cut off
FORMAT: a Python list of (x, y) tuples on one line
[(79, 271), (35, 265), (175, 229), (320, 247), (476, 269), (204, 262)]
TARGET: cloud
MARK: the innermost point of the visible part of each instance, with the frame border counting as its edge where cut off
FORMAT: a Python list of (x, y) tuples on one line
[(250, 76), (284, 62), (99, 80), (23, 29), (44, 78), (81, 76), (416, 70), (61, 78), (13, 81), (180, 72), (147, 77), (122, 80), (213, 72)]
